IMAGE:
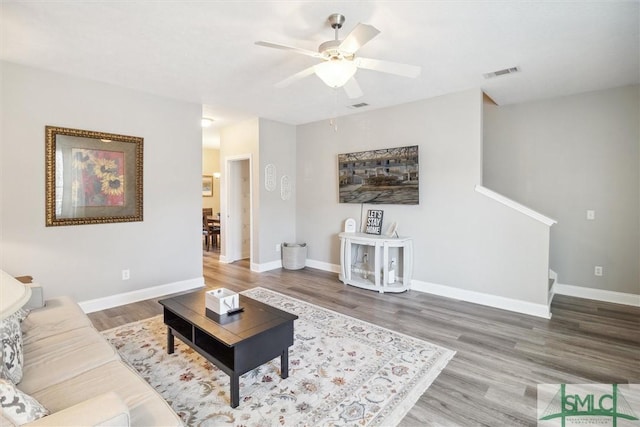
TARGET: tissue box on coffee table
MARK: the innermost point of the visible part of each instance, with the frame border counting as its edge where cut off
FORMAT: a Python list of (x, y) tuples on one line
[(221, 300)]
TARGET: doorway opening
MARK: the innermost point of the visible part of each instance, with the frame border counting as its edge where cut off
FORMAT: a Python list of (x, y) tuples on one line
[(238, 213)]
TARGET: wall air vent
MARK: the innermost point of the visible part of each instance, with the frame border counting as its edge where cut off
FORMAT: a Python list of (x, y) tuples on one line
[(501, 72), (360, 105)]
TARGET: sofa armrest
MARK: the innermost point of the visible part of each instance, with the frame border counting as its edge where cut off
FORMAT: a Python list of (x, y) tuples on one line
[(107, 409)]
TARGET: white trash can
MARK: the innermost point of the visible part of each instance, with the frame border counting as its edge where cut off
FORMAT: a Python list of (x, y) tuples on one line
[(294, 255)]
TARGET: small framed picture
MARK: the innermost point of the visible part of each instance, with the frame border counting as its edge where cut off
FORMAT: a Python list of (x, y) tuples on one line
[(374, 221), (207, 185)]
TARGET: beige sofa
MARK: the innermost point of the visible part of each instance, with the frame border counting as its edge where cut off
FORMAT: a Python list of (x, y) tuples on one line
[(79, 377)]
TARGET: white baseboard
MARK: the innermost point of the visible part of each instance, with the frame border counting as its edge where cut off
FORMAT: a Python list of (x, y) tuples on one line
[(260, 268), (524, 307), (510, 304), (597, 294), (325, 266), (274, 265), (140, 295)]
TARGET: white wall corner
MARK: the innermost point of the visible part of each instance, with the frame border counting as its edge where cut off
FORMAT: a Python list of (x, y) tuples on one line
[(140, 295), (223, 259), (597, 294), (510, 304)]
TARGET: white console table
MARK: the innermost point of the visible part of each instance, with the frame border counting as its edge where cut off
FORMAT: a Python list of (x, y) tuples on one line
[(374, 273)]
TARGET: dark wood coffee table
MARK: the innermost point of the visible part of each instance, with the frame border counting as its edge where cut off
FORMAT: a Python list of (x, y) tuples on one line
[(235, 343)]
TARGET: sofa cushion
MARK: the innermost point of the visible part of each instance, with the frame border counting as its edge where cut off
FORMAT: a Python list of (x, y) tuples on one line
[(58, 357), (59, 315), (19, 407), (12, 347), (105, 410), (146, 406)]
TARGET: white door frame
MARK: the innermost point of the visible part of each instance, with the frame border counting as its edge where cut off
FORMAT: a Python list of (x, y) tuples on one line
[(226, 220)]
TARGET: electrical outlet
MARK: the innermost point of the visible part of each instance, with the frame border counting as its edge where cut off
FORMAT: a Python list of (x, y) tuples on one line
[(278, 247), (598, 270), (591, 215), (125, 274)]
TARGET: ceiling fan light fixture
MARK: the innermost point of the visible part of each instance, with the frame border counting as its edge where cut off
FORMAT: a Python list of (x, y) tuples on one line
[(336, 72)]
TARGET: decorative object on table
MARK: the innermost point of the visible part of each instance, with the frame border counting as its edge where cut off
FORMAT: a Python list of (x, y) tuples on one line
[(349, 225), (207, 185), (92, 177), (285, 187), (270, 180), (222, 300), (392, 272), (364, 268), (374, 222), (392, 231), (387, 176), (325, 387)]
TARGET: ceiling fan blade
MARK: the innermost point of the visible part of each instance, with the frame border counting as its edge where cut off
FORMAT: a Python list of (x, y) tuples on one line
[(358, 37), (404, 70), (297, 76), (292, 48), (352, 88)]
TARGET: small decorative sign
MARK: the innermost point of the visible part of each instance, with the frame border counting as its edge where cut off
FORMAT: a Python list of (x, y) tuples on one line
[(285, 187), (374, 221)]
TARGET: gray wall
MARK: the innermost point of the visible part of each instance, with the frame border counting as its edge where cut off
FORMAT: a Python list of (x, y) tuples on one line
[(564, 156), (461, 238), (277, 216), (85, 261), (266, 141)]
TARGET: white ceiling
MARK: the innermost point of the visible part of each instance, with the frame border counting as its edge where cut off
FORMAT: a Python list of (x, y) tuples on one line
[(204, 51)]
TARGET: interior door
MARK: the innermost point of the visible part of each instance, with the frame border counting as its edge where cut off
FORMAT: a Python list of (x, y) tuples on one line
[(238, 230)]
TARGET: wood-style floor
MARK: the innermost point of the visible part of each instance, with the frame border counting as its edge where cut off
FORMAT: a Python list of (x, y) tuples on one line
[(501, 356)]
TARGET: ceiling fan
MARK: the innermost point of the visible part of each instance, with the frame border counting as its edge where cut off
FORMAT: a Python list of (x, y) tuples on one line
[(339, 61)]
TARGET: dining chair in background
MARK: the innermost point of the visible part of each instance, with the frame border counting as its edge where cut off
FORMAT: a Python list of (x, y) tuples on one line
[(207, 230)]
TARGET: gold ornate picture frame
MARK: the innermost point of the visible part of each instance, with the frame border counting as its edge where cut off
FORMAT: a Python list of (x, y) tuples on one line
[(207, 185), (92, 177)]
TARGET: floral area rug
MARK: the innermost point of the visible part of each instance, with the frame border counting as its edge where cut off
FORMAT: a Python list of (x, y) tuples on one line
[(342, 372)]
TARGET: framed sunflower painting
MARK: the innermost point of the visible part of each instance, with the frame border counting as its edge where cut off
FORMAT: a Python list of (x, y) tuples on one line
[(92, 177)]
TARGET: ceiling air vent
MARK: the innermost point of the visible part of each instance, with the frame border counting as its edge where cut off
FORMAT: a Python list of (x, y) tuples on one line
[(501, 72), (360, 105)]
